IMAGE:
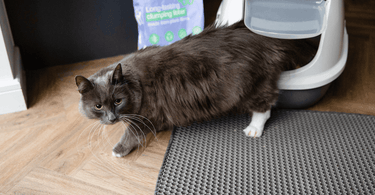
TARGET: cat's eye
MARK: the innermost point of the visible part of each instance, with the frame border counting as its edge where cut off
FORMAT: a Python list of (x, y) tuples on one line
[(118, 101), (98, 107)]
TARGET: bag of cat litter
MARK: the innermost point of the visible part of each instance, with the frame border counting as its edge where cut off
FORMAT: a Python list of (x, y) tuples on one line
[(162, 22)]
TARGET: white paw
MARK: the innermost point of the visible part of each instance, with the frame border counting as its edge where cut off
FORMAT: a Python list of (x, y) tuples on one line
[(252, 131), (116, 155)]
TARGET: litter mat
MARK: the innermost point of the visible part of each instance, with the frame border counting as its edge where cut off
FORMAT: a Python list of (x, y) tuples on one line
[(300, 152)]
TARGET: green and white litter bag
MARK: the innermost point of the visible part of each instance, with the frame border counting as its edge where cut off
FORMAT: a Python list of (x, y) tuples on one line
[(166, 21)]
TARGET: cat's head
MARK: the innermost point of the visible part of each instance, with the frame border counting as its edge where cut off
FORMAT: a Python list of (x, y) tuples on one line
[(107, 96)]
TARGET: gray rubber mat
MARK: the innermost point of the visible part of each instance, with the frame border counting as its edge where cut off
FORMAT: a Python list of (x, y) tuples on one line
[(300, 152)]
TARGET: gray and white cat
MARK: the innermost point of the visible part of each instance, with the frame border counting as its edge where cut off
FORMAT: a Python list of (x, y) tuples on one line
[(200, 77)]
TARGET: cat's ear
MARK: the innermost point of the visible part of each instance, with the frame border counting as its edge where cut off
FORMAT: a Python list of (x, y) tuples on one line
[(117, 77), (83, 84)]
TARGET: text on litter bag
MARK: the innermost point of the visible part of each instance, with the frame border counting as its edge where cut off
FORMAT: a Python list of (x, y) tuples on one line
[(165, 15)]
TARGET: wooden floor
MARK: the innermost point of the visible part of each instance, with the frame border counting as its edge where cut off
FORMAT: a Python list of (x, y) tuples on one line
[(52, 149)]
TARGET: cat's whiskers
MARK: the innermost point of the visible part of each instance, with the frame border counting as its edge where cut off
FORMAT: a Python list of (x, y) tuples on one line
[(125, 127), (104, 134), (135, 117), (91, 130), (140, 129), (92, 124), (91, 134), (103, 141), (112, 167), (153, 130), (131, 130)]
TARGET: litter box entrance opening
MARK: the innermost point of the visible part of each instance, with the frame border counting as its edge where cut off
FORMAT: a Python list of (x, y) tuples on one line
[(308, 50), (314, 41)]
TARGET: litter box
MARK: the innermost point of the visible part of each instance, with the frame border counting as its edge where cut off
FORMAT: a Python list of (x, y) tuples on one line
[(320, 21)]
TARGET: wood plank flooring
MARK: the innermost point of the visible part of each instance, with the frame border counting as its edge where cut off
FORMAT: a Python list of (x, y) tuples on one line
[(51, 149)]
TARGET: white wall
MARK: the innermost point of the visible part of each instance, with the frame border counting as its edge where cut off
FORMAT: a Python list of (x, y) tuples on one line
[(12, 82)]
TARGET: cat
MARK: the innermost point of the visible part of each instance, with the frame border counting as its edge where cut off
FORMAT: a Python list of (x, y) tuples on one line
[(197, 78)]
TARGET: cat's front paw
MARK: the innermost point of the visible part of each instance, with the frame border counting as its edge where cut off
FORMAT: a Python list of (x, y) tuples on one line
[(120, 150), (252, 131)]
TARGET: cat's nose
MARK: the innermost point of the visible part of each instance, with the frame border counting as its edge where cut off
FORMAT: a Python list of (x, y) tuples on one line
[(111, 117)]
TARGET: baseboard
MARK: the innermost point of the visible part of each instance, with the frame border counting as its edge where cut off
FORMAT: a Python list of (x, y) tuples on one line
[(13, 91)]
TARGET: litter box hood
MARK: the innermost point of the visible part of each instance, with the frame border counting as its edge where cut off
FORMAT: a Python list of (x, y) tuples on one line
[(330, 59), (286, 19), (297, 19)]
